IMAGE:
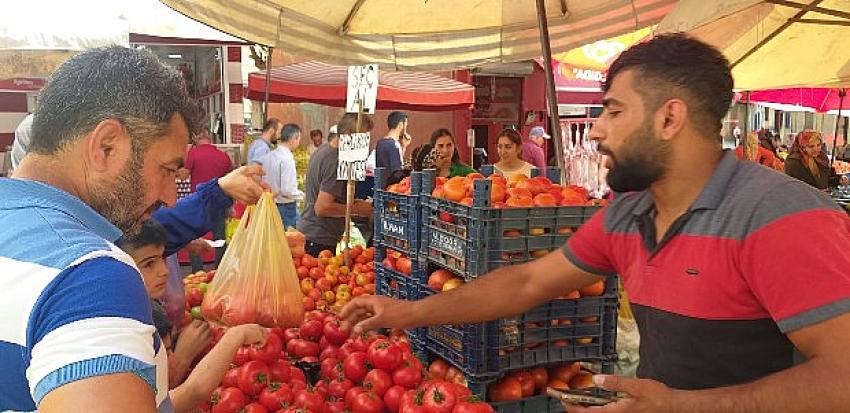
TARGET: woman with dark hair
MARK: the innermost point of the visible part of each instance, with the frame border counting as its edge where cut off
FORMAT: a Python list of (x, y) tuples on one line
[(447, 162), (509, 147), (808, 162)]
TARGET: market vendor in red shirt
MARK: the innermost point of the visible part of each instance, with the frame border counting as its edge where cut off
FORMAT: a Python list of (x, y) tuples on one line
[(729, 266)]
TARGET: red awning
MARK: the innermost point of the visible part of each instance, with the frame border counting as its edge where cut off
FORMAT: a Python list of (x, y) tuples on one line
[(569, 97), (325, 84)]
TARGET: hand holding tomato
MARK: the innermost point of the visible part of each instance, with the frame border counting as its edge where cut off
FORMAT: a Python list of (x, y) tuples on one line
[(644, 395), (366, 313)]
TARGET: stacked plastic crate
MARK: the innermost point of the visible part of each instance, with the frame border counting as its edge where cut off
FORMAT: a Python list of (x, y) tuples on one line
[(470, 241)]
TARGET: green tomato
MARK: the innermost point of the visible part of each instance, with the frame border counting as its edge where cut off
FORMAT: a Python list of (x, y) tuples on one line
[(196, 313), (203, 287)]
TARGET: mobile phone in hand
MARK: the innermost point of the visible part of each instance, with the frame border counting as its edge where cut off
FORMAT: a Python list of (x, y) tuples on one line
[(579, 398)]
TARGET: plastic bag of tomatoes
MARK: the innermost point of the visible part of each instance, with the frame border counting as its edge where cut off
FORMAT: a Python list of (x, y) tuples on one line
[(256, 281)]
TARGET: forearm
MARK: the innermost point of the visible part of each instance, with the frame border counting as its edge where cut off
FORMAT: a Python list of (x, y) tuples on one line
[(178, 366), (208, 373), (818, 385), (337, 210), (193, 216)]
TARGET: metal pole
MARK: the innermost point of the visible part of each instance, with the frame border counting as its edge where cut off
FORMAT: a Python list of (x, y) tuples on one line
[(744, 141), (551, 97), (841, 94), (268, 85)]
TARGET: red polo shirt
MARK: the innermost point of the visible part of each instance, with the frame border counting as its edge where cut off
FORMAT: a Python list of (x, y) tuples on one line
[(758, 255), (206, 162)]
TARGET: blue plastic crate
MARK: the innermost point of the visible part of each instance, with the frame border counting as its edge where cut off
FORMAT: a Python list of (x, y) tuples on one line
[(397, 216), (532, 339), (475, 240), (533, 404), (394, 284), (417, 274)]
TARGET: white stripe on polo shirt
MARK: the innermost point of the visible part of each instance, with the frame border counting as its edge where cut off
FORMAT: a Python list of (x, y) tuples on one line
[(26, 291)]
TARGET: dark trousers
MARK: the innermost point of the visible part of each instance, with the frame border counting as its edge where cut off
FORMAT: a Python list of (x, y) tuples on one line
[(314, 249)]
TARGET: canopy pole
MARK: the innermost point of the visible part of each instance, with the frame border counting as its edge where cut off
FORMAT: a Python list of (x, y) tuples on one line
[(268, 85), (841, 94), (551, 96), (746, 135)]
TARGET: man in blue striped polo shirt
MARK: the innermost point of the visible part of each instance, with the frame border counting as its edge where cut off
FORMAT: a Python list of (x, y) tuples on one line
[(109, 136)]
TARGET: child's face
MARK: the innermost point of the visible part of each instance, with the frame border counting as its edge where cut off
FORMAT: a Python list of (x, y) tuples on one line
[(152, 265)]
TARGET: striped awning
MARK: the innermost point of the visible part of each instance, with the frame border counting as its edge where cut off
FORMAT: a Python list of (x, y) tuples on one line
[(422, 35), (325, 84)]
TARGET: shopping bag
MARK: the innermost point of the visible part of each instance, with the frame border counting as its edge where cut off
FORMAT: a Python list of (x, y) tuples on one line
[(256, 281)]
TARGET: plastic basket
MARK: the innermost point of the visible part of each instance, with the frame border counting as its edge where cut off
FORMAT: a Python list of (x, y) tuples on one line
[(398, 216)]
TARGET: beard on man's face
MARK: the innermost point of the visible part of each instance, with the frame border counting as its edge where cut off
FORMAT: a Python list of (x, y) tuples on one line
[(640, 162), (120, 201)]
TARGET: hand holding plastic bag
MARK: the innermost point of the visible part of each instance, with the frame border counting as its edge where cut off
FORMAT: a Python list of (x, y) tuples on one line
[(256, 281)]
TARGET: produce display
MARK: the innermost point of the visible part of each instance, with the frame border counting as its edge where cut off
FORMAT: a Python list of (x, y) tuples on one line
[(328, 284), (365, 374)]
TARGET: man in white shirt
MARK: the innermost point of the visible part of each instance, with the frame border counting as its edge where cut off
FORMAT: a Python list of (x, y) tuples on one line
[(281, 176)]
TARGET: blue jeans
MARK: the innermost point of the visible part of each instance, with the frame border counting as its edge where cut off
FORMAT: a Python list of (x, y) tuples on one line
[(288, 214)]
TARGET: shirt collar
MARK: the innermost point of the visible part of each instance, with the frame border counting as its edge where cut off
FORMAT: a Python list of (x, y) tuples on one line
[(711, 195), (24, 193)]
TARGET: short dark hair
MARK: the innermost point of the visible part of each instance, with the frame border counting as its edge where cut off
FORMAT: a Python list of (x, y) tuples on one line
[(348, 123), (315, 132), (130, 85), (677, 65), (439, 133), (271, 123), (395, 118), (152, 233), (289, 131)]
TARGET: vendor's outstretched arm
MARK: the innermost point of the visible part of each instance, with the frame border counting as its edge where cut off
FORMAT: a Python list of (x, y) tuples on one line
[(504, 292)]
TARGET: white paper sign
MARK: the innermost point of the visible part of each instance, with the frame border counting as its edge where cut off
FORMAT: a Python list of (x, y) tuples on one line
[(353, 150), (362, 89)]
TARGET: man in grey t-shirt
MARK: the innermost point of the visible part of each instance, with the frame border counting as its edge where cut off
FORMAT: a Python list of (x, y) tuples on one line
[(323, 219)]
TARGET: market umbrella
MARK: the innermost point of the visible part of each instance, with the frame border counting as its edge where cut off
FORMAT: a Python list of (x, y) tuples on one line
[(819, 99), (773, 43), (326, 84), (427, 35)]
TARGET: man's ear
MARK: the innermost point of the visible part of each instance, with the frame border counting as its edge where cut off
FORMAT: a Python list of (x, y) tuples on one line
[(105, 143), (674, 115)]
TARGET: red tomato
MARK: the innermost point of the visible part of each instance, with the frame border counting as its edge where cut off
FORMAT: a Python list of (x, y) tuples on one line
[(367, 403), (302, 348), (331, 351), (438, 369), (270, 352), (194, 297), (296, 374), (279, 371), (540, 376), (345, 350), (310, 400), (228, 400), (290, 334), (526, 381), (275, 395), (392, 398), (311, 330), (230, 378), (378, 381), (339, 387), (254, 408), (472, 405), (411, 402), (253, 376), (352, 394), (297, 385), (439, 397), (504, 390), (243, 355), (332, 331), (384, 354), (331, 368), (407, 377), (354, 366), (335, 407), (239, 313), (462, 391), (360, 343)]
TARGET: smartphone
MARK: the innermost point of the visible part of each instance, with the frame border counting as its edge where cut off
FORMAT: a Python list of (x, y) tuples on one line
[(579, 397)]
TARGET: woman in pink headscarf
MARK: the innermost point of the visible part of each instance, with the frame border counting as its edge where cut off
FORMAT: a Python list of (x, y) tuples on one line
[(808, 162)]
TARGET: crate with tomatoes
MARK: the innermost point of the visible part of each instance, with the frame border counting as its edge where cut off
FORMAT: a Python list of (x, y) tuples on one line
[(475, 224), (579, 326), (399, 276), (398, 212)]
